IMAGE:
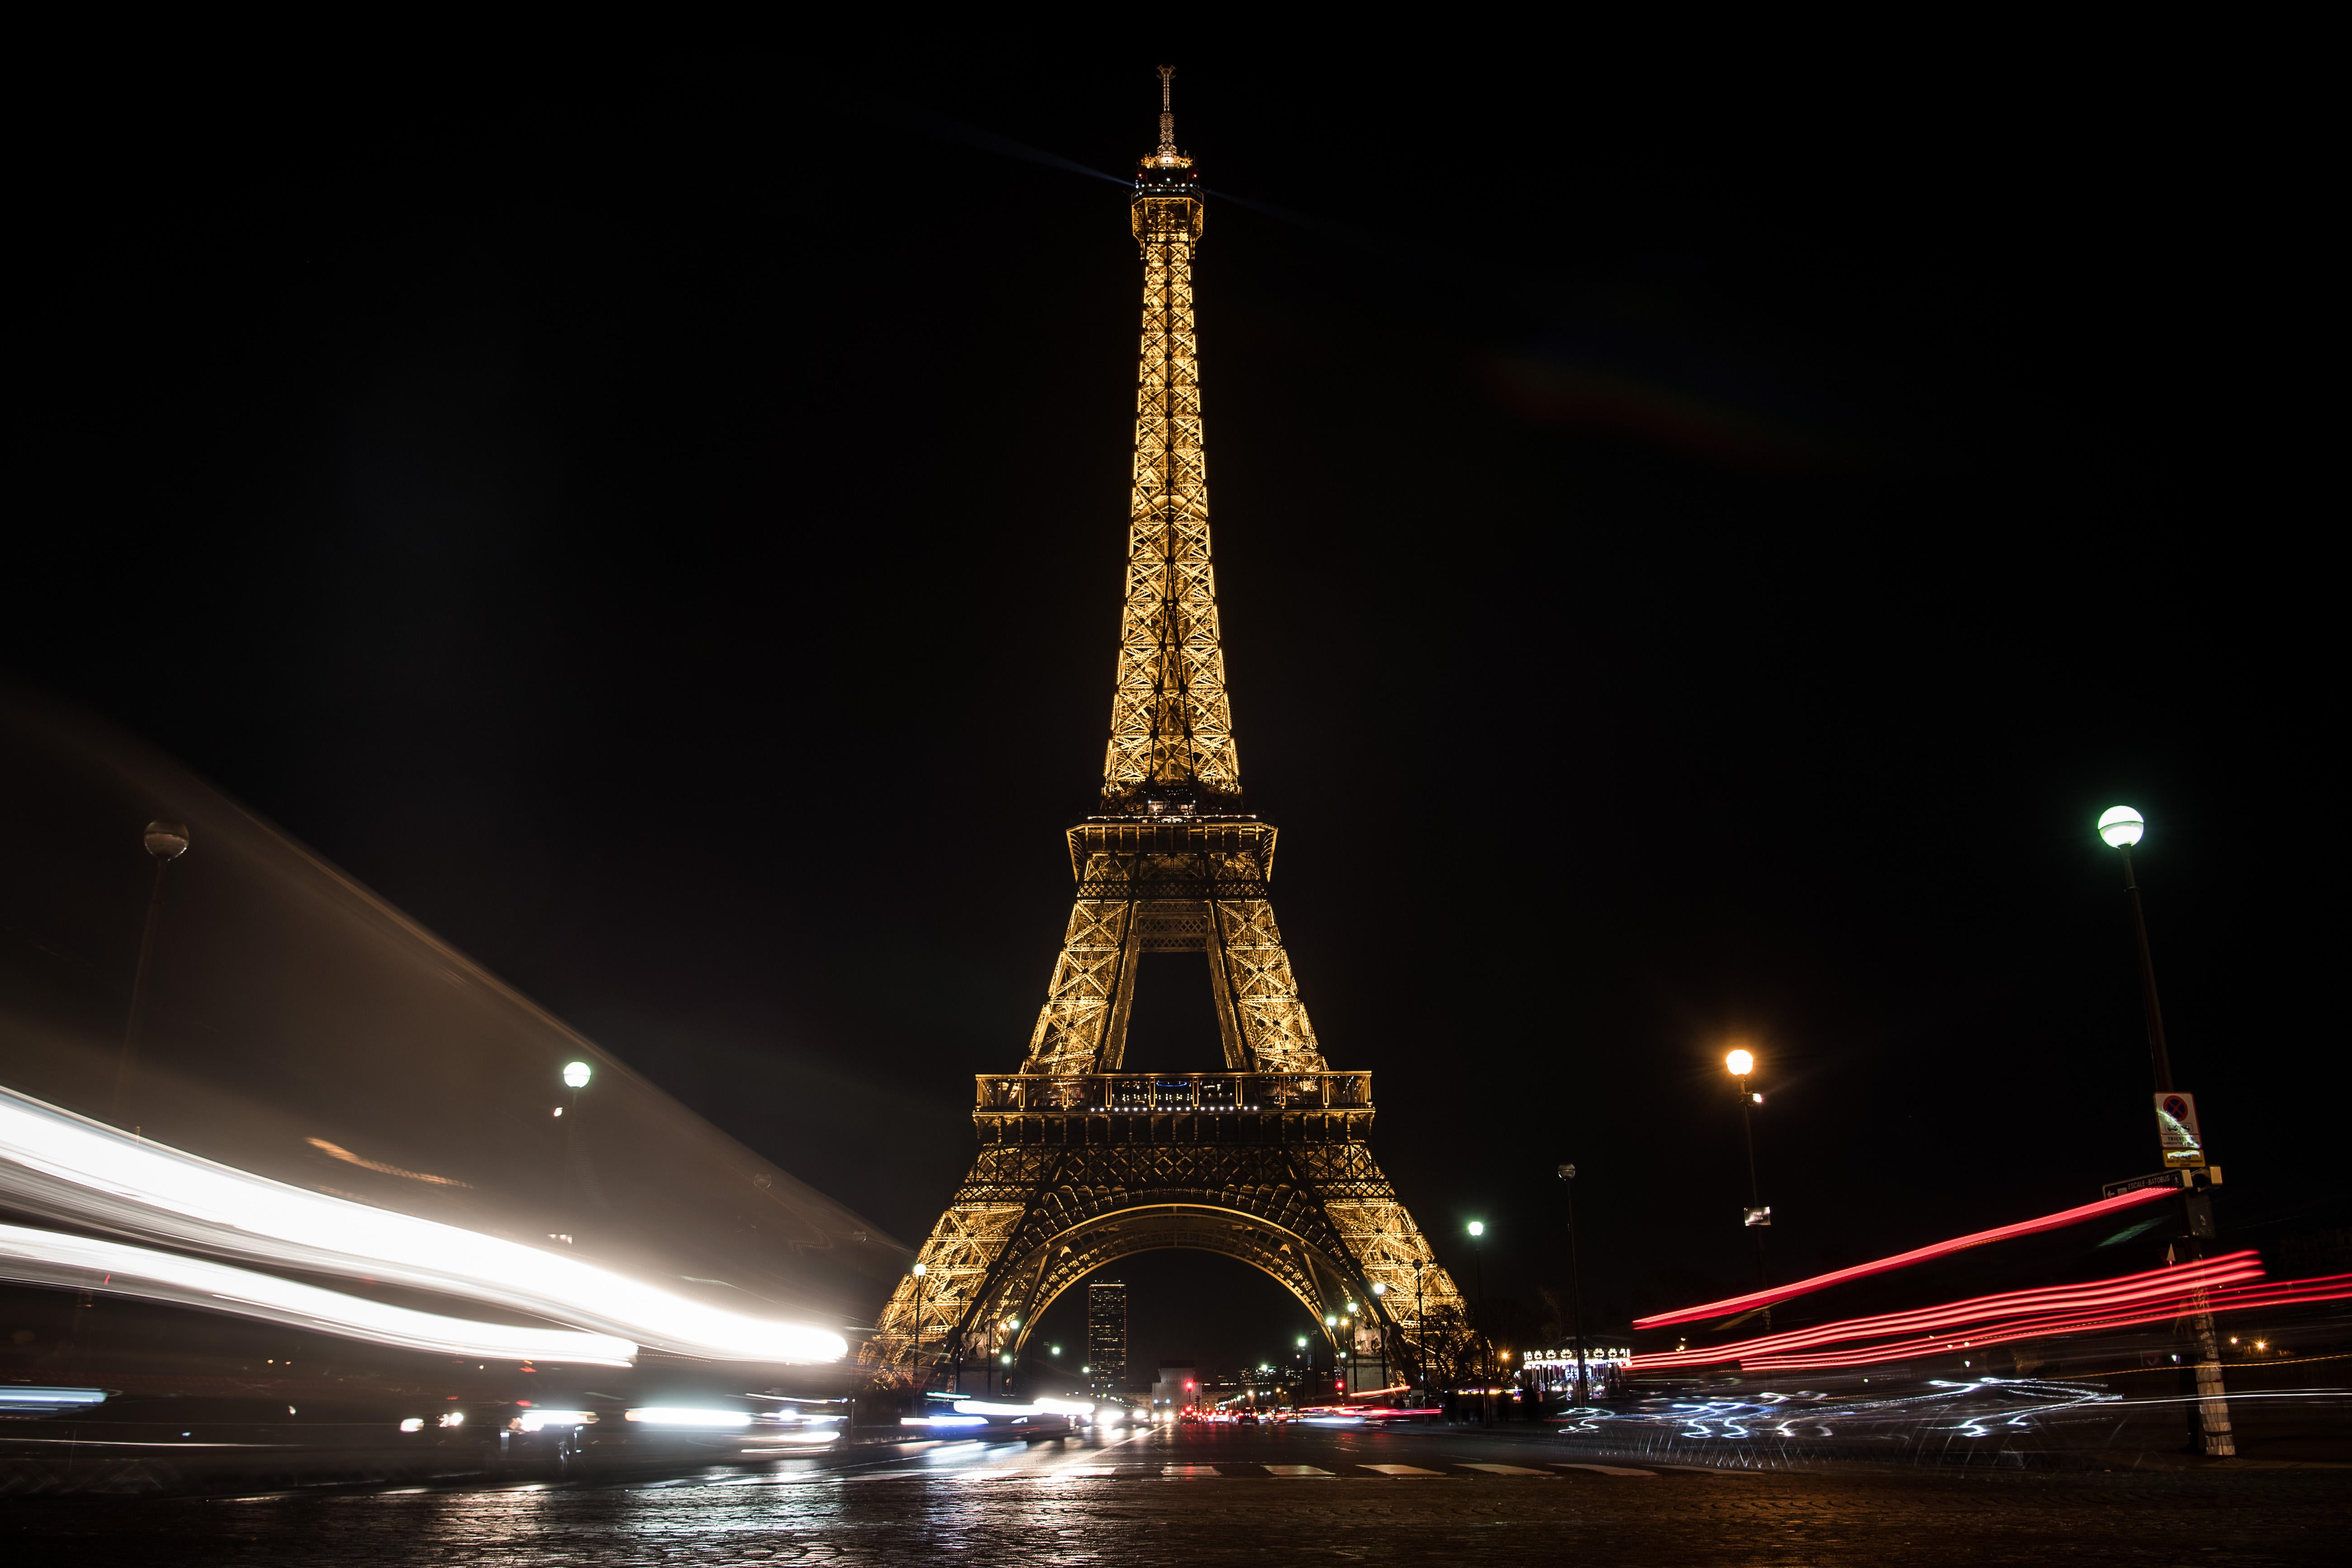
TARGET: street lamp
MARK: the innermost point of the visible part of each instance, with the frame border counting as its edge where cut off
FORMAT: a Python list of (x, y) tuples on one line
[(922, 1372), (166, 841), (577, 1074), (1741, 1063), (2121, 828), (1575, 1286), (1421, 1321), (1478, 1263), (1477, 1228)]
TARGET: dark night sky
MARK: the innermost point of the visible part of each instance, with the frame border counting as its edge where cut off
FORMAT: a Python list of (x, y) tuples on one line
[(1697, 549)]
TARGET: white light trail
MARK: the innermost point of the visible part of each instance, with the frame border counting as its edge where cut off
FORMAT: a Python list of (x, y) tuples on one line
[(68, 1166), (79, 1262), (540, 1420), (682, 1416)]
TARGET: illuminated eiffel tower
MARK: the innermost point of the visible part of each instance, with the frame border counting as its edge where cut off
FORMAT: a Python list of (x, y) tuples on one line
[(1083, 1161)]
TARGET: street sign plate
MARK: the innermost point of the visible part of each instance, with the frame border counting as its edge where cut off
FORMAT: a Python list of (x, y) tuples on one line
[(2160, 1179), (2175, 1130)]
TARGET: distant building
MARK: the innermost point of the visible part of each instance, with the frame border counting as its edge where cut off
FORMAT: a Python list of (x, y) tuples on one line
[(1107, 1335), (1178, 1385)]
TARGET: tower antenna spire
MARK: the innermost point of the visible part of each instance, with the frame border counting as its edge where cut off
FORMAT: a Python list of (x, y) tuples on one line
[(1167, 113)]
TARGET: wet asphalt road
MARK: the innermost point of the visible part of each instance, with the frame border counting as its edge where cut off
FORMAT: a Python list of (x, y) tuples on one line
[(1296, 1493)]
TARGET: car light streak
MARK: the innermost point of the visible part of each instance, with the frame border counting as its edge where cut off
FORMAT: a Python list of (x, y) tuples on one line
[(2169, 1284), (2336, 1287), (1754, 1299), (54, 1162), (19, 1399), (688, 1417), (78, 1262), (540, 1420)]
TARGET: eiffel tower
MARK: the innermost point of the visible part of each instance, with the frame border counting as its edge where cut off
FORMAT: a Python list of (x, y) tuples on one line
[(1083, 1161)]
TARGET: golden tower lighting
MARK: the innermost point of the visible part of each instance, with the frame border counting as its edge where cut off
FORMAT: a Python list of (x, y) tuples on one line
[(1083, 1161)]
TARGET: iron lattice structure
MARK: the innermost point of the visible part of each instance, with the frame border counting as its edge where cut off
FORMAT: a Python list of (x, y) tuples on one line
[(1080, 1162)]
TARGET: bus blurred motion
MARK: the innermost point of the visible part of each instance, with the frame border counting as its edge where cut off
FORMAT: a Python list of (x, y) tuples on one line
[(337, 1184)]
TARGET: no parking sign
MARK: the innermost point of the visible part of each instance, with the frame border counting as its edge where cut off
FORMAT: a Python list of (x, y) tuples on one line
[(2176, 1131)]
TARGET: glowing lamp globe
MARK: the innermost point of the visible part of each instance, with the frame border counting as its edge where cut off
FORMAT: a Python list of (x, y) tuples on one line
[(2121, 826), (1478, 1228), (577, 1074), (1741, 1063)]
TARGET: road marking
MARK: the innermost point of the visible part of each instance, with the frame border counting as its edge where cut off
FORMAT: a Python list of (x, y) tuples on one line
[(1404, 1470), (1187, 1472), (1611, 1471), (1511, 1470), (1091, 1470), (1296, 1470)]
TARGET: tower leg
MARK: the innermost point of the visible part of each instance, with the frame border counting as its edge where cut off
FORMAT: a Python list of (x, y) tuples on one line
[(1092, 979)]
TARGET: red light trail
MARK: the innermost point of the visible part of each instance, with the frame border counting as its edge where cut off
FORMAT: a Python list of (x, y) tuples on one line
[(2226, 1284), (1733, 1305), (2167, 1284), (2336, 1288)]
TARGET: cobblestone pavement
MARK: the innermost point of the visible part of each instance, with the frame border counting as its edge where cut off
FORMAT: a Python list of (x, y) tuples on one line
[(1249, 1495)]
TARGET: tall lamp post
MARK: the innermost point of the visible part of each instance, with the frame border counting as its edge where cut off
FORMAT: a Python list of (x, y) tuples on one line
[(2121, 828), (1741, 1063), (1421, 1322), (166, 841), (1486, 1372), (922, 1373), (1575, 1286)]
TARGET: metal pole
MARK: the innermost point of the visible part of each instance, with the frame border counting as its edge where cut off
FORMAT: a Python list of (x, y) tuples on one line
[(1420, 1324), (138, 988), (1487, 1346), (1755, 1190), (1575, 1289), (2209, 1423), (2158, 1055)]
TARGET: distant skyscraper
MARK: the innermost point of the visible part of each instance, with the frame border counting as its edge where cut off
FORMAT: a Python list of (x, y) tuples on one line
[(1107, 1333)]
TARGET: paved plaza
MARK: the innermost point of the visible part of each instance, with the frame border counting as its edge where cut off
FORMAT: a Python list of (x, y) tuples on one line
[(1199, 1496)]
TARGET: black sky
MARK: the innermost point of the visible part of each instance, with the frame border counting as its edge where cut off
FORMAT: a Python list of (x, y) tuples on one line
[(1697, 549)]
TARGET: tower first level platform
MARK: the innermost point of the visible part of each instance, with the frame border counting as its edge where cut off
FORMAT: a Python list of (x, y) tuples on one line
[(1101, 1108)]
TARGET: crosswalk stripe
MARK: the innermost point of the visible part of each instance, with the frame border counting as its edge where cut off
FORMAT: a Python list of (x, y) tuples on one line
[(1510, 1470), (1404, 1470), (1296, 1470), (1611, 1471), (1187, 1472)]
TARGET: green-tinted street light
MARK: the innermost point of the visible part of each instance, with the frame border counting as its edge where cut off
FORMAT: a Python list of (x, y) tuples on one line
[(2121, 826)]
